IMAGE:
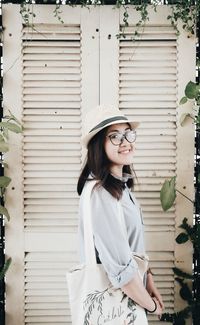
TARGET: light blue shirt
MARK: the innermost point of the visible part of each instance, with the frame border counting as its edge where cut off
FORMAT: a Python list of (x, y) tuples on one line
[(113, 245)]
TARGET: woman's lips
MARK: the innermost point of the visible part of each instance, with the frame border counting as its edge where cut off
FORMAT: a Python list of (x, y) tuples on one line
[(125, 151)]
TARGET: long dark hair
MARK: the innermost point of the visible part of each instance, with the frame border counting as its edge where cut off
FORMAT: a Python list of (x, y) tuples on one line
[(98, 165)]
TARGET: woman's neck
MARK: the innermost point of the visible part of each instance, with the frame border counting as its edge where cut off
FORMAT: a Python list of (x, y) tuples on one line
[(116, 171)]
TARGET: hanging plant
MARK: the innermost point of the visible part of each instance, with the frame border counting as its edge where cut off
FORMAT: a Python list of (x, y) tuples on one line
[(184, 279), (189, 233), (5, 268), (186, 11), (192, 94), (8, 124)]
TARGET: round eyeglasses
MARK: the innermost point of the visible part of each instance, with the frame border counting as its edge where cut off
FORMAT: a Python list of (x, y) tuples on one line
[(117, 138)]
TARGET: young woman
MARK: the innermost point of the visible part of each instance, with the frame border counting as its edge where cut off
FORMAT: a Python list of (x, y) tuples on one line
[(109, 137)]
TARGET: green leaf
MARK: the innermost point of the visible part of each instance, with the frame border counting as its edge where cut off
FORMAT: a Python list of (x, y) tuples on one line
[(11, 126), (183, 100), (4, 181), (3, 146), (182, 274), (198, 120), (4, 211), (2, 192), (5, 268), (191, 90), (182, 238), (167, 317), (179, 321), (198, 236), (5, 133), (168, 194), (186, 293), (177, 318), (15, 119), (188, 228), (3, 163)]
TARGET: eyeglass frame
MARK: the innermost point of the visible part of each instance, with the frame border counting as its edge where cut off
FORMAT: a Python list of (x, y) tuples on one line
[(123, 136)]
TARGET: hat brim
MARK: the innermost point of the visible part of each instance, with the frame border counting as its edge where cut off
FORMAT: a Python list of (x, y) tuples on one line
[(86, 139)]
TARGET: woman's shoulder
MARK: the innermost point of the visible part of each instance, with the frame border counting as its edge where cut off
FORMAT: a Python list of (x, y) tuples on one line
[(98, 192)]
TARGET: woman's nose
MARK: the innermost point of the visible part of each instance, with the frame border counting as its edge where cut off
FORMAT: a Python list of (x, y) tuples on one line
[(124, 142)]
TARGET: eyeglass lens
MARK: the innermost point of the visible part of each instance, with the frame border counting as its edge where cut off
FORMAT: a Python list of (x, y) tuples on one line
[(117, 138)]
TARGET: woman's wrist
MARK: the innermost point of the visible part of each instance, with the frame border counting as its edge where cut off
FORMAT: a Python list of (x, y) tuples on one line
[(155, 307)]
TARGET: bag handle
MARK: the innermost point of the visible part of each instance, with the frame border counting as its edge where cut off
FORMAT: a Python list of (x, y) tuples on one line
[(90, 254), (87, 223)]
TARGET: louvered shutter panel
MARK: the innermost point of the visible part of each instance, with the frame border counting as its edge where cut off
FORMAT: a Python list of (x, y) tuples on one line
[(52, 153), (49, 70), (148, 76), (64, 70), (52, 128), (149, 91), (152, 76)]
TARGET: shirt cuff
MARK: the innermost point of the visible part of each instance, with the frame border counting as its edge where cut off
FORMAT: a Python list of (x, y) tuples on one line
[(125, 275)]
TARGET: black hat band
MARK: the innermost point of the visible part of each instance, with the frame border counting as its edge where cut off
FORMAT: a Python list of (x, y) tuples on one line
[(109, 120)]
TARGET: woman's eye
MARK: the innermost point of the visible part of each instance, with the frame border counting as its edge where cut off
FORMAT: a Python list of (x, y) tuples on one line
[(115, 136)]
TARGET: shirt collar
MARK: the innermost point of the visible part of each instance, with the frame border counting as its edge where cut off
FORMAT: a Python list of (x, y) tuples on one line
[(125, 177)]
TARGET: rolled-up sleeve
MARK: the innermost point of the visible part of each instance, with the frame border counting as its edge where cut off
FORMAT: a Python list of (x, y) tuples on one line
[(110, 240)]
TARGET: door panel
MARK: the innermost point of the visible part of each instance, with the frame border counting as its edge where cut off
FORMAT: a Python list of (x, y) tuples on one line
[(55, 73)]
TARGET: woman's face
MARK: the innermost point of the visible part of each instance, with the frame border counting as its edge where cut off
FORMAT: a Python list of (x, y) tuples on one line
[(121, 154)]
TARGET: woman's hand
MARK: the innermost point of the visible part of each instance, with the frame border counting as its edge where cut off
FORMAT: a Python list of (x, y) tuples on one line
[(136, 291), (153, 291), (158, 310)]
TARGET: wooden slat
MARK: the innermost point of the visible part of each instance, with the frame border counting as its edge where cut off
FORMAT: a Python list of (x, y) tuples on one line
[(51, 102), (60, 215), (147, 93), (47, 91)]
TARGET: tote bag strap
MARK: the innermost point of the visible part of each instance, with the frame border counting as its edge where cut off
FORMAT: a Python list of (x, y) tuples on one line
[(90, 254), (87, 221)]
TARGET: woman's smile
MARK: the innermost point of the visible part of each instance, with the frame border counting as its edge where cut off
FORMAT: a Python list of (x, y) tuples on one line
[(125, 151), (121, 154)]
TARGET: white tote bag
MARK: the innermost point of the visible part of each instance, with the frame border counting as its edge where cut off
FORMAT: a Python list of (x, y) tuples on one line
[(92, 298)]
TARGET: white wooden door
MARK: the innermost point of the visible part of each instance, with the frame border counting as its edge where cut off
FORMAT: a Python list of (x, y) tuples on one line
[(53, 74)]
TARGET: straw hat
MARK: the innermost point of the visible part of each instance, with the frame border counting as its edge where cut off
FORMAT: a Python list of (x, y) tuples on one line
[(99, 118)]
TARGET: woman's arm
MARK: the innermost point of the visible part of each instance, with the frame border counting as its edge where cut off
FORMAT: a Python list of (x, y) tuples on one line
[(137, 292), (152, 290)]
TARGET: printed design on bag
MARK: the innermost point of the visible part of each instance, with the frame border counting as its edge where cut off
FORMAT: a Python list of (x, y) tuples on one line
[(132, 314), (95, 301)]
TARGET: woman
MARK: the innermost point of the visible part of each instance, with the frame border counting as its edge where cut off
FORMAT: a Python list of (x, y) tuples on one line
[(109, 137)]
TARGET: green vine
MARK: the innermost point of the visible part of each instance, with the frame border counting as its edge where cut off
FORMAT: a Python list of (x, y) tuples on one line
[(27, 14), (8, 123), (144, 17), (189, 233), (187, 11), (57, 13), (192, 94), (179, 318)]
